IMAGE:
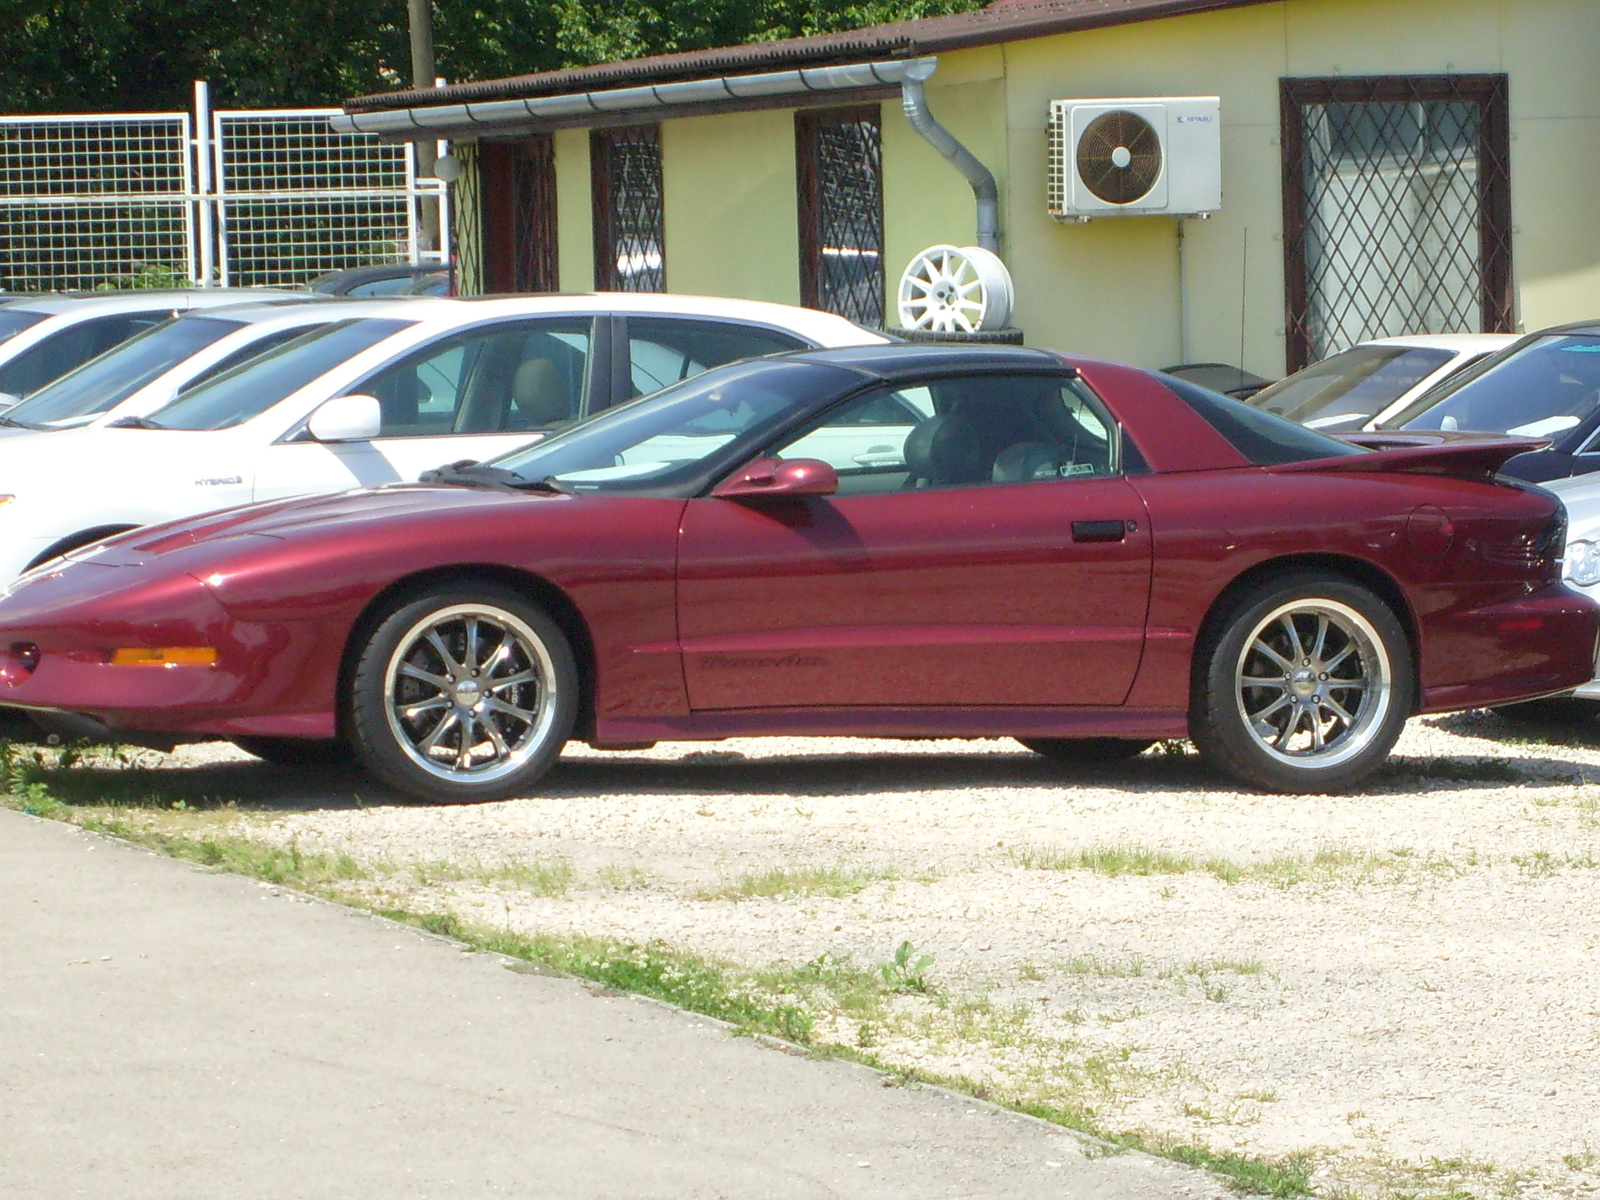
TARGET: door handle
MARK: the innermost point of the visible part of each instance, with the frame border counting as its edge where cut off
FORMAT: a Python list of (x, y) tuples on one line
[(1098, 531)]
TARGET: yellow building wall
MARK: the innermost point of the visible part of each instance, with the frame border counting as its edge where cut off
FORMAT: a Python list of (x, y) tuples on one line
[(728, 186), (574, 211), (1111, 287)]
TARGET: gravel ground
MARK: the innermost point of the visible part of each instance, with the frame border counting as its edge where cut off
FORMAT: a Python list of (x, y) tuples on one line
[(1401, 983)]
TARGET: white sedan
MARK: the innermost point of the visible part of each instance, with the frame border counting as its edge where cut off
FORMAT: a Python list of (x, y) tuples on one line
[(148, 371), (377, 398), (44, 337), (1366, 385)]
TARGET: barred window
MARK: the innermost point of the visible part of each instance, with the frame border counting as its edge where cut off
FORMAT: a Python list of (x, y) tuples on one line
[(839, 154), (520, 215), (1397, 211), (629, 218)]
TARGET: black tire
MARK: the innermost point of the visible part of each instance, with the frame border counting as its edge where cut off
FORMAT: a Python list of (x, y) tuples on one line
[(390, 704), (1087, 750), (299, 753), (1249, 637), (1553, 710)]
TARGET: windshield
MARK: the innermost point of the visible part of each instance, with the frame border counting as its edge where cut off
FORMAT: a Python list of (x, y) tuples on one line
[(671, 436), (105, 382), (1264, 438), (13, 321), (1349, 389), (259, 383), (1542, 388)]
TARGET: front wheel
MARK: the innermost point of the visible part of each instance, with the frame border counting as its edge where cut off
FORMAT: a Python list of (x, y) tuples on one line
[(1302, 684), (465, 694)]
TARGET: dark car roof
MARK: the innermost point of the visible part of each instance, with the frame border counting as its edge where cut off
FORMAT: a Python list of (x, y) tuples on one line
[(903, 360)]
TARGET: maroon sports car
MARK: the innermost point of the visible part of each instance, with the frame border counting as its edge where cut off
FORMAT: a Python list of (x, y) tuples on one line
[(889, 541)]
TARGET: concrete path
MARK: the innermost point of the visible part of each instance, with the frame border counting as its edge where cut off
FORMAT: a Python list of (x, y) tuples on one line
[(167, 1033)]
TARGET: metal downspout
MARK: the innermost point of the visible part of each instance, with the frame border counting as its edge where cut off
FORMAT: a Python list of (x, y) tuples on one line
[(942, 140)]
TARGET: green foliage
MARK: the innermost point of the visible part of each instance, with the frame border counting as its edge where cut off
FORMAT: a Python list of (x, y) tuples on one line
[(906, 971), (139, 55)]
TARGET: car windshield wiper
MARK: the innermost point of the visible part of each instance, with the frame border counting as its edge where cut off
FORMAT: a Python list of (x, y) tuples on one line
[(471, 473), (133, 423)]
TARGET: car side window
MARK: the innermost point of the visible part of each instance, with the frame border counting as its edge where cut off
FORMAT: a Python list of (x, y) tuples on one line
[(665, 350), (963, 433), (245, 353), (513, 376), (55, 355)]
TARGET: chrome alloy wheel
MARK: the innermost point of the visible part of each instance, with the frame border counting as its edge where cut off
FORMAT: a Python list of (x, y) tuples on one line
[(1314, 683), (470, 693)]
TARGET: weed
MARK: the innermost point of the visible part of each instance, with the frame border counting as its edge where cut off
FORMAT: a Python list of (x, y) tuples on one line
[(541, 878), (905, 972)]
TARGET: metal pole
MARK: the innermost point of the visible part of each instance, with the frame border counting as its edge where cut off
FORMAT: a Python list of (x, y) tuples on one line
[(423, 75), (203, 198)]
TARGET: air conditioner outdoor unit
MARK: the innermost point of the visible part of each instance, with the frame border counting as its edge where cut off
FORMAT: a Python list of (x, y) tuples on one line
[(1138, 157)]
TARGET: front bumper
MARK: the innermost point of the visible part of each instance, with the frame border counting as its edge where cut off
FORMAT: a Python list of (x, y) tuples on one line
[(273, 679)]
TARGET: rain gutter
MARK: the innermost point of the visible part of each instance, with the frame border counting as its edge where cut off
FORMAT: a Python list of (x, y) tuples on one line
[(668, 99)]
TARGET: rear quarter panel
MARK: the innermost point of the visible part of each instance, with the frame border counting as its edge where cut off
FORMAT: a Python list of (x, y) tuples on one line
[(1432, 539)]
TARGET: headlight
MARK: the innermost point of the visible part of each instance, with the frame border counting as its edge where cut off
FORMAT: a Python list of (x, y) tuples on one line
[(1583, 563)]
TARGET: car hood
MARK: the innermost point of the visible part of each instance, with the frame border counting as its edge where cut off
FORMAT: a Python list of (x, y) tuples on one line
[(337, 514)]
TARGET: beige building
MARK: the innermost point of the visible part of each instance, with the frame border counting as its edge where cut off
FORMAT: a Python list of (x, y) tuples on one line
[(1387, 167)]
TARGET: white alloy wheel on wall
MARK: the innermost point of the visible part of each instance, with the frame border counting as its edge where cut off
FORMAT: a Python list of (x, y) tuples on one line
[(955, 289)]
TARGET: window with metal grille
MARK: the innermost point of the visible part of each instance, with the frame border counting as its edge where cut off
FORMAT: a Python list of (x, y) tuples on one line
[(1397, 209), (629, 233), (520, 215), (839, 155)]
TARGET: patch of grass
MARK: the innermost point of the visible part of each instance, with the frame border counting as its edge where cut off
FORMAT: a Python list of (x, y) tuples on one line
[(1542, 863), (551, 878), (1330, 864), (834, 979), (1115, 860), (818, 880), (1093, 964), (288, 865)]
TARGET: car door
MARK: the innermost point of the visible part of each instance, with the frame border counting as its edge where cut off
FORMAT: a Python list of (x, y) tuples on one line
[(998, 557), (474, 394)]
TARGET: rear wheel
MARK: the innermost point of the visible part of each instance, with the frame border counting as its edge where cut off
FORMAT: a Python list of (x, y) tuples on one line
[(298, 752), (465, 694), (1303, 684), (1555, 710), (1087, 750)]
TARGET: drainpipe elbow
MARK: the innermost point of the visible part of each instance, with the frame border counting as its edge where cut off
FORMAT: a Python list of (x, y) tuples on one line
[(984, 188)]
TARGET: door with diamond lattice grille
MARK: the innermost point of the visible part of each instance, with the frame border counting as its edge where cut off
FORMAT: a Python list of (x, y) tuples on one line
[(839, 161), (629, 214), (1396, 209)]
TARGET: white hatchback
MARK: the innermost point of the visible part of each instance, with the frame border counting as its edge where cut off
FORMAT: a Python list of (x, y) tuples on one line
[(379, 397)]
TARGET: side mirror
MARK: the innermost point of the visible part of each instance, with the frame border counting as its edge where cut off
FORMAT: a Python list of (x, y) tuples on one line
[(346, 419), (790, 478)]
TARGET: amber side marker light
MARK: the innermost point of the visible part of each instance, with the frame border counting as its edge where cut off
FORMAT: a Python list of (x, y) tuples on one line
[(164, 656)]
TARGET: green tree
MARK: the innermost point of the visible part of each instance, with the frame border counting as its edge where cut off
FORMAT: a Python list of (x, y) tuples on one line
[(140, 55)]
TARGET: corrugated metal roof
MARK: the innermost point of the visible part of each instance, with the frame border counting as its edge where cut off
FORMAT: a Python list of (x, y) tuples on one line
[(1001, 21)]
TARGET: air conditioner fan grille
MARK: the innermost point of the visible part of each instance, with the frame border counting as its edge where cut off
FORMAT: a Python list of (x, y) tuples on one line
[(1119, 157)]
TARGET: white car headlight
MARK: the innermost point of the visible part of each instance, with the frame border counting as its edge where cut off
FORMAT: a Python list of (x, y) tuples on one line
[(1583, 563)]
